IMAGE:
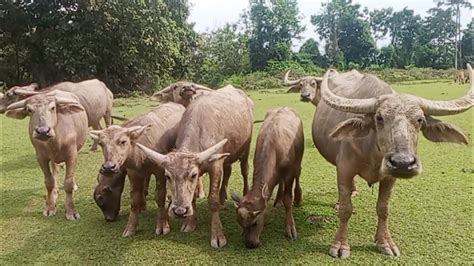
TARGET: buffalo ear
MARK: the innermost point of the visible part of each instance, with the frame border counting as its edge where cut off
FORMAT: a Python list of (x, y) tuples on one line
[(19, 113), (136, 132), (70, 108), (294, 89), (438, 131), (357, 127)]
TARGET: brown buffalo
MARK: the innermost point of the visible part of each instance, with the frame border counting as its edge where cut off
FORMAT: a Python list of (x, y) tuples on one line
[(366, 128), (215, 131), (156, 129), (182, 92), (93, 95), (459, 77), (277, 160), (309, 88), (108, 193), (57, 129)]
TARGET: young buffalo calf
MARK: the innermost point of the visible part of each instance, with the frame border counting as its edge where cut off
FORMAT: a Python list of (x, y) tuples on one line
[(58, 130), (277, 160), (155, 129)]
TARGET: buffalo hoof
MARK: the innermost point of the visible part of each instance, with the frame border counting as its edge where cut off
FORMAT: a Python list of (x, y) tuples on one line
[(49, 212), (354, 193), (188, 226), (291, 233), (388, 249), (340, 251), (218, 241), (72, 216), (75, 188), (162, 229), (128, 232)]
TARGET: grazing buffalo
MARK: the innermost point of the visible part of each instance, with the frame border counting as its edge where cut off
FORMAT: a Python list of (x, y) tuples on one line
[(182, 92), (108, 193), (459, 77), (277, 160), (309, 88), (365, 128), (156, 129), (215, 131), (57, 129)]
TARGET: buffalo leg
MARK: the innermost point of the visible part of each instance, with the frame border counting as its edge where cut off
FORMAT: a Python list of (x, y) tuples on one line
[(244, 169), (279, 196), (70, 186), (200, 188), (162, 225), (94, 141), (225, 182), (50, 182), (108, 118), (383, 238), (340, 248), (137, 195), (298, 196), (288, 203), (189, 224), (218, 239)]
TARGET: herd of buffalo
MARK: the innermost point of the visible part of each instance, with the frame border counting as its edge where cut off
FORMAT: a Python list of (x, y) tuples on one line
[(361, 125)]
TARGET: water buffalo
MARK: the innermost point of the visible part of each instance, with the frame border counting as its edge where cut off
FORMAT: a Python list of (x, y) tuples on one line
[(365, 128), (108, 193), (308, 87), (93, 95), (10, 96), (459, 77), (215, 131), (57, 129), (277, 160), (156, 129), (182, 92)]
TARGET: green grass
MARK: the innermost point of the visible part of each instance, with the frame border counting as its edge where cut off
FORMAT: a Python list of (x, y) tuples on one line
[(431, 218)]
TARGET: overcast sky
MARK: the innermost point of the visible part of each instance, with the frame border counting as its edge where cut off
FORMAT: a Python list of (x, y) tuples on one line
[(211, 14)]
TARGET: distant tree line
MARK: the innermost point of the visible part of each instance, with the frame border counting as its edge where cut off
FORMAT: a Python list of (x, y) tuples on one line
[(141, 45)]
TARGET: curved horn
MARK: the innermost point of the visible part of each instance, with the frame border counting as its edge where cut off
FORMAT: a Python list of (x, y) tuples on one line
[(17, 105), (290, 82), (95, 132), (62, 100), (24, 92), (167, 89), (459, 105), (201, 87), (203, 156), (157, 157), (357, 106)]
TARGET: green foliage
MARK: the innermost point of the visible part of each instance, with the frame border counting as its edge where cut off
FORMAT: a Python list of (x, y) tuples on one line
[(467, 44), (254, 81), (346, 33), (128, 45), (272, 24)]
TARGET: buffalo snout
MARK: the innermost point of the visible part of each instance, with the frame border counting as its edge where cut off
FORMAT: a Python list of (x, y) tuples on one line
[(305, 97), (43, 133), (251, 244), (180, 211), (402, 164), (109, 167)]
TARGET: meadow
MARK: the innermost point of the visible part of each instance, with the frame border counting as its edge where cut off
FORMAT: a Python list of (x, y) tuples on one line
[(431, 217)]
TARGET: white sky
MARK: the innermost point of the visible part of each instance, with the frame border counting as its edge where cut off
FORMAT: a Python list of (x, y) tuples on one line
[(212, 14)]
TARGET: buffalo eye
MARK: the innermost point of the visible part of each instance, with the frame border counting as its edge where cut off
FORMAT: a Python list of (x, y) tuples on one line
[(53, 108), (167, 177), (420, 120), (193, 176), (123, 142), (29, 110)]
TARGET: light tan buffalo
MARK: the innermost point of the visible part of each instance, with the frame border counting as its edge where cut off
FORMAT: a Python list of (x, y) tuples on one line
[(277, 160), (215, 131), (182, 92), (459, 77), (93, 95), (156, 129), (365, 128), (10, 96), (309, 88), (57, 129)]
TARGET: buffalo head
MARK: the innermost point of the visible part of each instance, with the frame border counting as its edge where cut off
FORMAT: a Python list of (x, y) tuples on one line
[(181, 92), (108, 194), (308, 87)]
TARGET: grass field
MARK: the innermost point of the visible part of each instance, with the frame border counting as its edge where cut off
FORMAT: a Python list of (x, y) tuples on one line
[(431, 216)]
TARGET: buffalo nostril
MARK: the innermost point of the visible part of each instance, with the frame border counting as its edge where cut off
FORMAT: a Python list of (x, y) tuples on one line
[(402, 161), (109, 166), (42, 130)]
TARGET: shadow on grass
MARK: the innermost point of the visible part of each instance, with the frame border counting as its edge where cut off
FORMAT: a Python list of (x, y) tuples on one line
[(27, 161)]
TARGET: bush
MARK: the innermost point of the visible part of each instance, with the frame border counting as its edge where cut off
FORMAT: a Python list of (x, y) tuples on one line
[(254, 81)]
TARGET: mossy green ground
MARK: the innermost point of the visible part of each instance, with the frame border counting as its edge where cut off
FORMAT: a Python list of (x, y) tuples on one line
[(431, 216)]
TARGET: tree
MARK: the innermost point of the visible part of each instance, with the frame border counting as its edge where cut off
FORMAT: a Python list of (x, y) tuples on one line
[(221, 53), (310, 50), (467, 44), (346, 33), (436, 37), (404, 29), (272, 25), (457, 5)]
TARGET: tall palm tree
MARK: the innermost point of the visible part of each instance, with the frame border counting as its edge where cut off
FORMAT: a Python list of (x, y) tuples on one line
[(456, 5)]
